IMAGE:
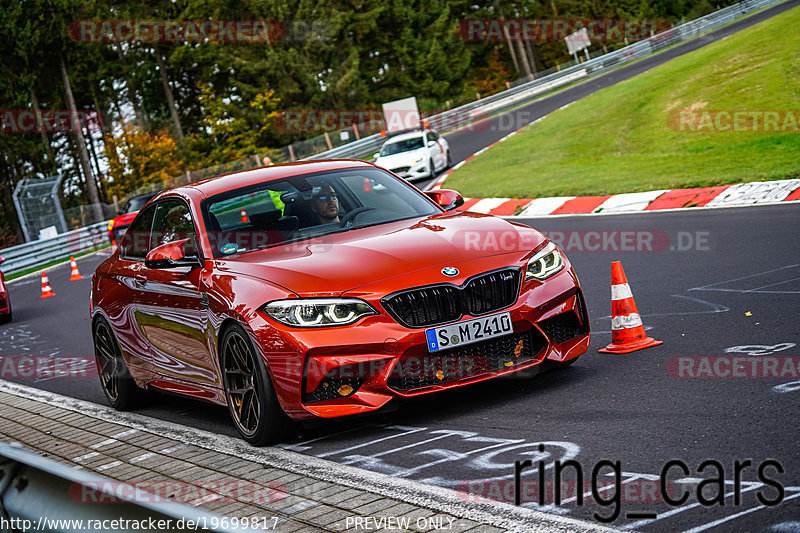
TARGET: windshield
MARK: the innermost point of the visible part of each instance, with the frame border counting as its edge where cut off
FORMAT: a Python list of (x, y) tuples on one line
[(137, 202), (308, 206), (406, 145)]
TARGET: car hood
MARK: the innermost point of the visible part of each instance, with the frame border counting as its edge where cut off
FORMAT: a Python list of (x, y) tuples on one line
[(335, 264), (403, 159)]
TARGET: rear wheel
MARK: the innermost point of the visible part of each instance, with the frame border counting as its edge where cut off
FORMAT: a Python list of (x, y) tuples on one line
[(115, 378), (251, 399)]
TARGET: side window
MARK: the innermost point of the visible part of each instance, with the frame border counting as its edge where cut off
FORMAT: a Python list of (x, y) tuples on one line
[(173, 222), (136, 243)]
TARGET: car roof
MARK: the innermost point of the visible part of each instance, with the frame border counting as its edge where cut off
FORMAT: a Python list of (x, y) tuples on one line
[(405, 136), (236, 180)]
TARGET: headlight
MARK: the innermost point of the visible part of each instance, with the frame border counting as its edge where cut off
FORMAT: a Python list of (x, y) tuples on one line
[(318, 312), (544, 263)]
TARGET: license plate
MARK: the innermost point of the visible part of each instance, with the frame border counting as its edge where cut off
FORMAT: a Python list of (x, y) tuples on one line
[(469, 331)]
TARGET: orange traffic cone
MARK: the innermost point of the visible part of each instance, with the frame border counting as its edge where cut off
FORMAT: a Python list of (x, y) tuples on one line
[(74, 275), (47, 292), (627, 331), (244, 216), (367, 185)]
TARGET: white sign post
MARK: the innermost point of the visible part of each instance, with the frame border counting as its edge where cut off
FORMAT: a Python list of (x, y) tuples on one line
[(578, 41)]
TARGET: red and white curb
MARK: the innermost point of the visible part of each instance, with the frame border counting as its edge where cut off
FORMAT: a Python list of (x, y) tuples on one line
[(742, 194)]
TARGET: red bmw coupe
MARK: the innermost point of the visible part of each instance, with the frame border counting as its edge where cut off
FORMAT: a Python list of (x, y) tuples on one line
[(324, 289)]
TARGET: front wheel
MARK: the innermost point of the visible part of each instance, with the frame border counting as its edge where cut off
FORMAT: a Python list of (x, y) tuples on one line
[(115, 378), (251, 399), (432, 168)]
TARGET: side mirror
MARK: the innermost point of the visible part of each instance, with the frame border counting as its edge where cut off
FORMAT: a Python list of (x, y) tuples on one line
[(171, 255), (431, 143), (376, 155), (448, 199)]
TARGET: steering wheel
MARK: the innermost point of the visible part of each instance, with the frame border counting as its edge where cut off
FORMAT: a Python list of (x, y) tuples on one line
[(351, 215)]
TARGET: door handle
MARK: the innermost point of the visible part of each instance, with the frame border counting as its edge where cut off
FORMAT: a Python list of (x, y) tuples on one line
[(139, 280)]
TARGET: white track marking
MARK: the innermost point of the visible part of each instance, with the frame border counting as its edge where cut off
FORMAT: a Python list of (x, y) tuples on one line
[(444, 500), (409, 431), (143, 457), (709, 286), (85, 456), (544, 206), (715, 523), (756, 192), (108, 466), (677, 510), (488, 204), (633, 201), (651, 212)]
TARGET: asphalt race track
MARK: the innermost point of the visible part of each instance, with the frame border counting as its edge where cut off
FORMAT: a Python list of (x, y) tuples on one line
[(708, 283), (718, 282)]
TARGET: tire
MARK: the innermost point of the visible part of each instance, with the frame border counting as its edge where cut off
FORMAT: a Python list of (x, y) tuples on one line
[(251, 399), (115, 378), (449, 160), (432, 168), (5, 319)]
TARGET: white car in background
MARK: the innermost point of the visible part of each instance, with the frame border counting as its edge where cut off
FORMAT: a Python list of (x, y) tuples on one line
[(415, 154)]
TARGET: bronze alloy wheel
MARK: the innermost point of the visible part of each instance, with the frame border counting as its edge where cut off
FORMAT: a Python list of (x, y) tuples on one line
[(248, 391)]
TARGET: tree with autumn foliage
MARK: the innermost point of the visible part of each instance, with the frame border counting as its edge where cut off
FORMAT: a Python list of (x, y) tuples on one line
[(137, 158), (233, 129)]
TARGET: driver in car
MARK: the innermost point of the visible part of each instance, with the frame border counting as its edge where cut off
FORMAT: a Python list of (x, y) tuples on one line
[(326, 205)]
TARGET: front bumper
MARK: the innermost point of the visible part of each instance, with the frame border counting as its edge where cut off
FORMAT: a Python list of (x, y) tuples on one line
[(417, 171), (331, 372)]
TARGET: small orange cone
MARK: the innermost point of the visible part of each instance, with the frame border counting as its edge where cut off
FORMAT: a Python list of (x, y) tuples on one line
[(47, 292), (244, 216), (627, 331), (113, 246), (74, 275), (367, 185)]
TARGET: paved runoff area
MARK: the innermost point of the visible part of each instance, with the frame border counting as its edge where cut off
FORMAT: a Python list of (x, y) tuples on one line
[(148, 460)]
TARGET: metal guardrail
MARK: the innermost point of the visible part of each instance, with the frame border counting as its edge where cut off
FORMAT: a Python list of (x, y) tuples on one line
[(32, 254), (463, 115), (38, 494)]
